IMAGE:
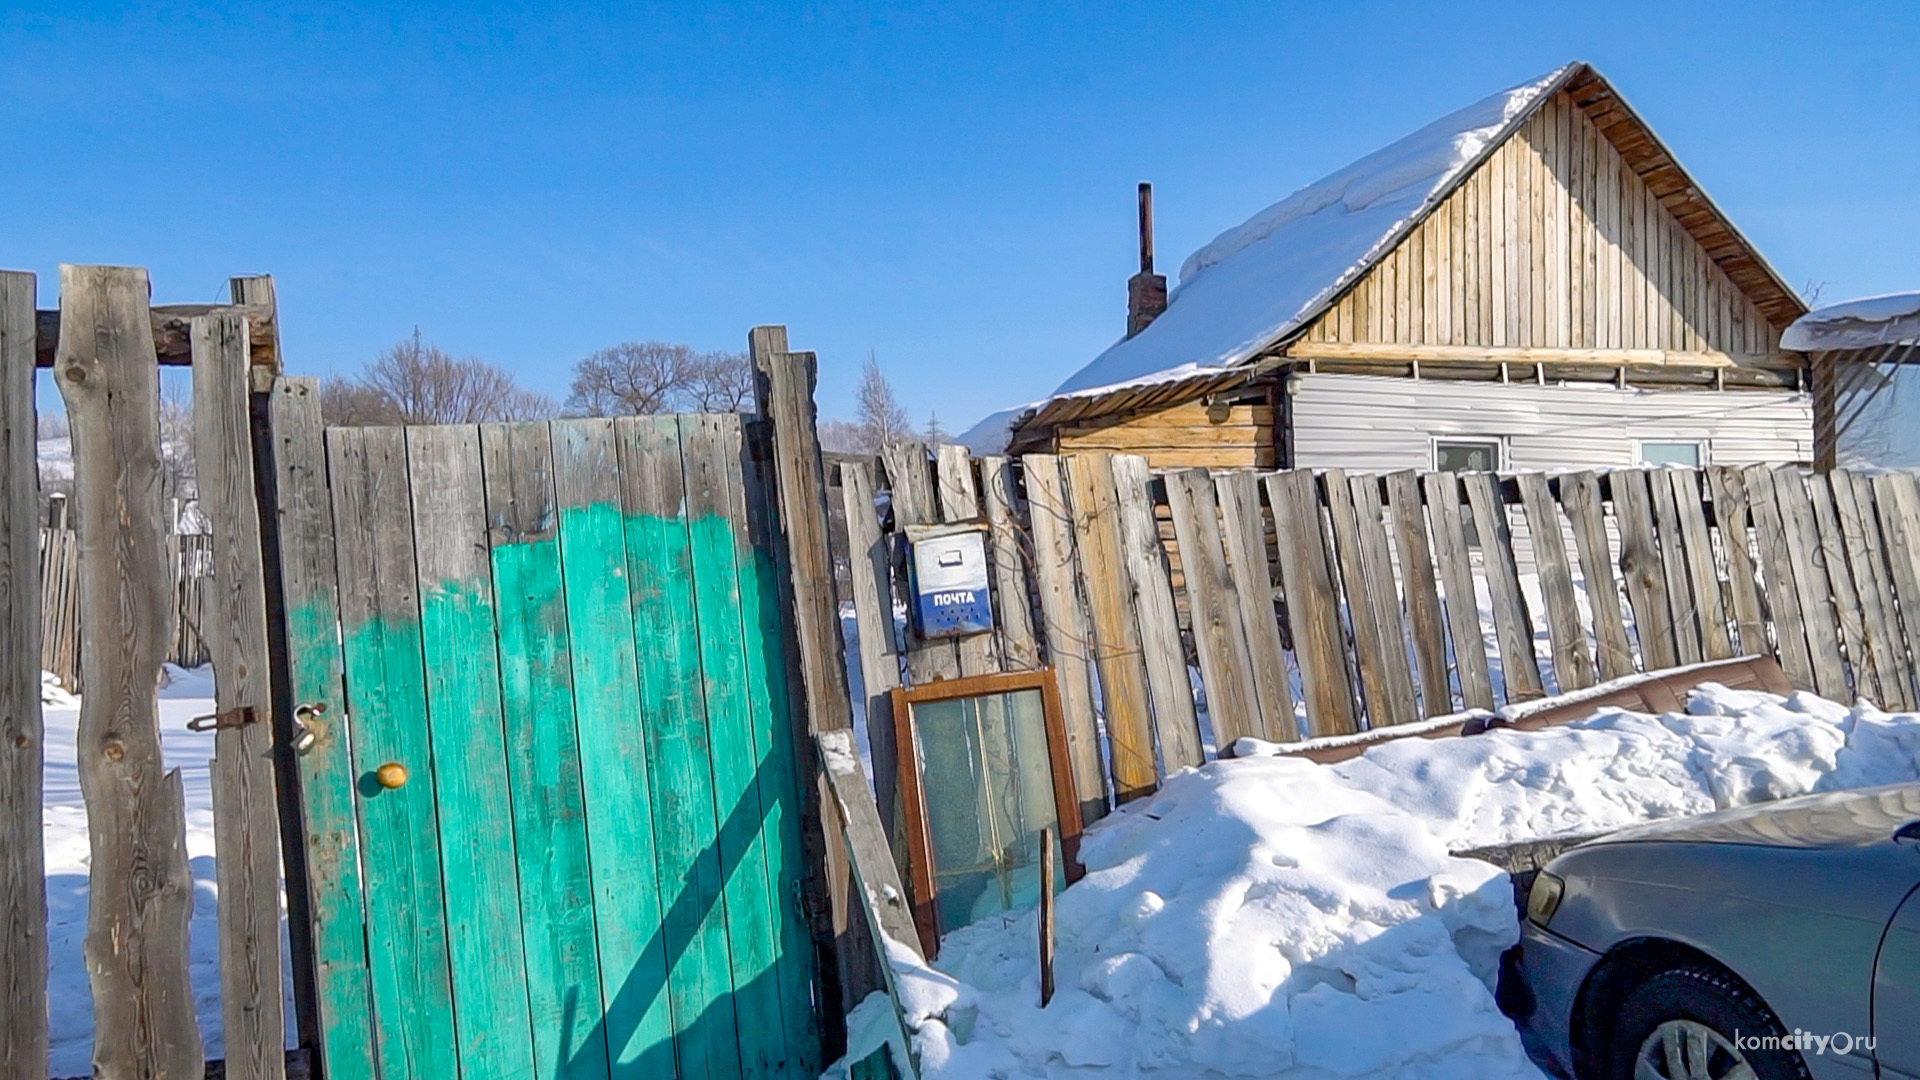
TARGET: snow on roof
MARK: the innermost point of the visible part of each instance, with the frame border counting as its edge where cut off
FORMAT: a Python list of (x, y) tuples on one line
[(1893, 319), (1268, 276)]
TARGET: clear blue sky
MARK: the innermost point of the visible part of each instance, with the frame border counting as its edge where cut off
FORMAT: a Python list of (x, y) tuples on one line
[(951, 186)]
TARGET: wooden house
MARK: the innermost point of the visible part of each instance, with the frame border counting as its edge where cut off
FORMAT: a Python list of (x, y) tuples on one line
[(1531, 282)]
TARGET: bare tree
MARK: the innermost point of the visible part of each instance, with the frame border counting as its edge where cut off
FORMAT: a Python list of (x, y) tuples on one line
[(178, 473), (634, 378), (877, 410), (417, 383), (843, 437), (721, 382)]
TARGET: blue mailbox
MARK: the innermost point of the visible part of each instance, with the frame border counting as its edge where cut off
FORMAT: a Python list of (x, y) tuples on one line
[(949, 568)]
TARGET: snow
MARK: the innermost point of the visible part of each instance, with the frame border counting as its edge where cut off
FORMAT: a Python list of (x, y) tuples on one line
[(1271, 917), (1873, 321), (56, 459), (70, 1002), (1269, 275)]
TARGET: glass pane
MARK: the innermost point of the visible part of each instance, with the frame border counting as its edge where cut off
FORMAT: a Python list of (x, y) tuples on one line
[(1466, 456), (1670, 453), (989, 791)]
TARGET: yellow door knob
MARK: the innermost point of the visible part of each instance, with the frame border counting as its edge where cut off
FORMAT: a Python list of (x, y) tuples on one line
[(391, 775)]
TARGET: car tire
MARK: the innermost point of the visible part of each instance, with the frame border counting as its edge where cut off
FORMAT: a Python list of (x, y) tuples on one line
[(1688, 1008)]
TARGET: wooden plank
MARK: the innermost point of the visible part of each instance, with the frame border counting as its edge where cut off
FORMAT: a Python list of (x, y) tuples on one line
[(1118, 657), (169, 329), (246, 818), (1252, 576), (542, 748), (140, 895), (960, 502), (1174, 722), (1641, 568), (1383, 594), (309, 590), (1848, 604), (784, 384), (1776, 562), (1686, 607), (1730, 514), (1313, 613), (1064, 622), (23, 894), (1371, 657), (1580, 498), (1512, 629), (915, 503), (1429, 626), (1013, 611), (1572, 666), (1897, 505), (1701, 564), (458, 634), (1867, 557), (1812, 583), (739, 742), (873, 618), (643, 829), (1226, 669), (1456, 579)]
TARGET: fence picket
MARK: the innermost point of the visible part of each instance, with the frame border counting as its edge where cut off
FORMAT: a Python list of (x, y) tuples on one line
[(1687, 607), (1225, 668), (914, 503), (1811, 582), (1409, 515), (1580, 498), (1069, 641), (959, 501), (1868, 556), (1702, 566), (1174, 721), (1243, 529), (1572, 667), (1456, 578), (1730, 515), (1847, 603), (1642, 570), (1897, 504), (867, 550), (1014, 614), (1512, 630), (1312, 602)]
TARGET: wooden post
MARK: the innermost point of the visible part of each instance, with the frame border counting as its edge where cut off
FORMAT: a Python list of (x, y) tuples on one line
[(246, 819), (879, 659), (23, 894), (141, 895), (1046, 916)]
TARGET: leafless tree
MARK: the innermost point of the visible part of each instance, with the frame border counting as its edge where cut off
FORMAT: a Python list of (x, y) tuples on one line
[(177, 478), (843, 437), (721, 382), (877, 410), (417, 383), (634, 378)]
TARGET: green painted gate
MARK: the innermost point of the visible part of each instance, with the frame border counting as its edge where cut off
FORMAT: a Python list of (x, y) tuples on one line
[(568, 636)]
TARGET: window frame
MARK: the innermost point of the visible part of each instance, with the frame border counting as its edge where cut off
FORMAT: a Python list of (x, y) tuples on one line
[(1499, 443), (1702, 449)]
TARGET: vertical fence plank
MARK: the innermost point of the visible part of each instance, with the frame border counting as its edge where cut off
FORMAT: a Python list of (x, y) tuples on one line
[(246, 818), (1847, 602), (1730, 515), (1811, 583), (1688, 609), (1371, 655), (959, 501), (1702, 565), (914, 503), (1014, 612), (543, 749), (23, 894), (1572, 667), (1313, 611), (310, 595), (141, 895), (1118, 656), (1776, 561), (1897, 504), (873, 617), (1868, 556), (1640, 567), (1512, 629), (1225, 668), (1383, 594), (1409, 514), (458, 635), (1456, 578), (622, 781), (1069, 640), (1252, 576), (1174, 721)]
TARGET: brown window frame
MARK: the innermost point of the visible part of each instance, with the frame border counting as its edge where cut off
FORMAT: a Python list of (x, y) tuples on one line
[(1066, 804)]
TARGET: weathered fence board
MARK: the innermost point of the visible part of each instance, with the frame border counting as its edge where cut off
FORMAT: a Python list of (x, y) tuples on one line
[(1846, 597), (1319, 644), (1019, 650), (1429, 626), (141, 895), (960, 502), (1580, 498), (1640, 567), (1069, 639), (1118, 657), (1572, 666), (23, 896), (1383, 595), (1860, 528), (1776, 563), (1685, 606), (1731, 515), (1374, 656), (246, 813), (1897, 504), (1512, 629), (1242, 525), (1701, 566), (914, 503), (873, 618), (1471, 669), (1174, 722), (1811, 582), (1219, 639)]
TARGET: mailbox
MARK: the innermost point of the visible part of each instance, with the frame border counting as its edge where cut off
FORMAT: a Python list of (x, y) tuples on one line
[(949, 567)]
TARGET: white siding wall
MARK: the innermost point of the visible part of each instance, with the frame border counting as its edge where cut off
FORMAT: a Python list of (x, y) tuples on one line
[(1368, 423)]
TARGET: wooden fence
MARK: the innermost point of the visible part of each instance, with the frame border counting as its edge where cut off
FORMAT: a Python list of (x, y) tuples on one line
[(190, 561), (1316, 603)]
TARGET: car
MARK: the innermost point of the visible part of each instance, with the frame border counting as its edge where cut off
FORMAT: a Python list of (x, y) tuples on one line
[(1768, 942)]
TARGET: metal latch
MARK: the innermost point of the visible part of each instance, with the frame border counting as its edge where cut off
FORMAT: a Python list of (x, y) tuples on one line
[(232, 718)]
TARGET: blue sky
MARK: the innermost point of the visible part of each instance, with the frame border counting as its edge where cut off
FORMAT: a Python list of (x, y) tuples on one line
[(950, 186)]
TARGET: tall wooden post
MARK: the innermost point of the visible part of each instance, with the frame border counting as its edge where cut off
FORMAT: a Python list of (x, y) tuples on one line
[(141, 895), (23, 893), (1823, 378)]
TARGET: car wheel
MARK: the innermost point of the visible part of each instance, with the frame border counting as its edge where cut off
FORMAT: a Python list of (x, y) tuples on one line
[(1699, 1023)]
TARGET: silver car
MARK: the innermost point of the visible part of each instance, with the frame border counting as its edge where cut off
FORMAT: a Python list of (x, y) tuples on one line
[(1768, 942)]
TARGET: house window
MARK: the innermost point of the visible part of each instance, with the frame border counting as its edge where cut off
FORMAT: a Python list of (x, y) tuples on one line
[(1690, 454), (1466, 455)]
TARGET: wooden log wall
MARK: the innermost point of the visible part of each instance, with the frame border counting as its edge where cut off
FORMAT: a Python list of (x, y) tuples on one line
[(1322, 603)]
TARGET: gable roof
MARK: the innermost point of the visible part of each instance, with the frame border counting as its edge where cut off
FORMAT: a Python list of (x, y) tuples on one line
[(1264, 281)]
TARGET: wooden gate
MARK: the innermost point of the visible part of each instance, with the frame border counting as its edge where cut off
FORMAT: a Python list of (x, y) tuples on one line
[(551, 791)]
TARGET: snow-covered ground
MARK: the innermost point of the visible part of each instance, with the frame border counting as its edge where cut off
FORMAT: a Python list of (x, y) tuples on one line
[(1272, 917), (70, 1003)]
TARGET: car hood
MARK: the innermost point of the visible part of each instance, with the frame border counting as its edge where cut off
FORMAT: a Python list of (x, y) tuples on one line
[(1837, 819)]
